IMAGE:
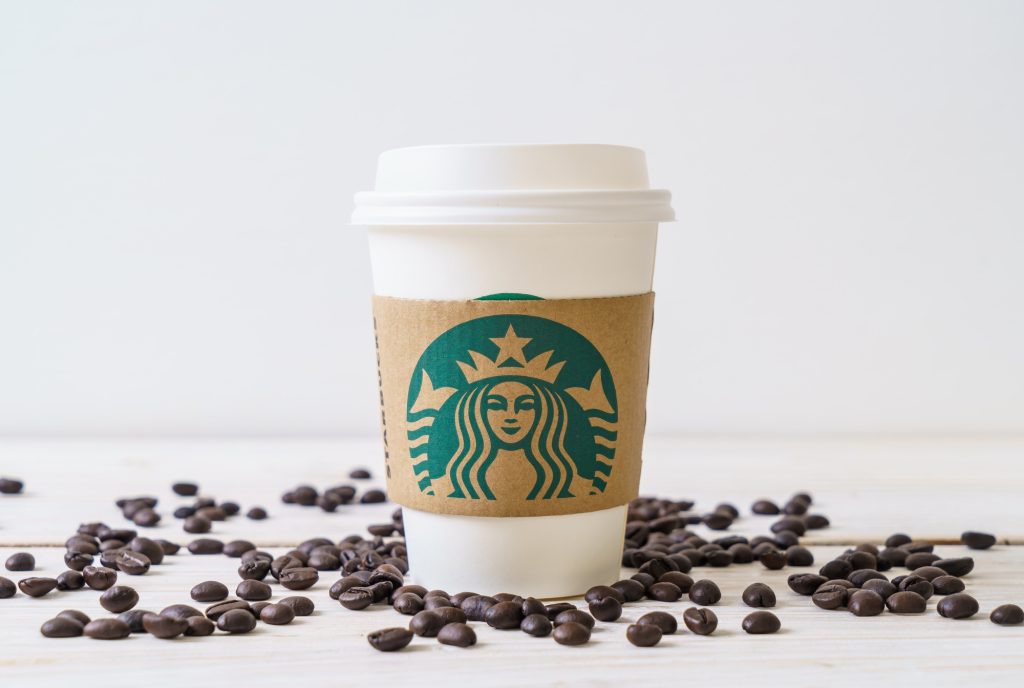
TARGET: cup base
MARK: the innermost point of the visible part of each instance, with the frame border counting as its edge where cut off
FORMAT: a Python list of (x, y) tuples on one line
[(538, 556)]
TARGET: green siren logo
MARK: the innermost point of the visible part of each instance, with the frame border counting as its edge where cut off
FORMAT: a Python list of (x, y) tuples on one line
[(512, 407)]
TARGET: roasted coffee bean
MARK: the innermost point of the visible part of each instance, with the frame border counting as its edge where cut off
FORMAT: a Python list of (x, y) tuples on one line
[(918, 546), (476, 606), (373, 497), (717, 520), (426, 623), (765, 507), (108, 557), (230, 508), (599, 592), (862, 576), (197, 524), (719, 558), (7, 588), (758, 595), (574, 616), (355, 598), (897, 580), (299, 578), (256, 569), (37, 586), (133, 618), (643, 635), (919, 559), (185, 489), (324, 561), (976, 540), (213, 513), (389, 639), (536, 625), (451, 615), (665, 592), (122, 534), (665, 622), (20, 561), (359, 474), (206, 546), (146, 518), (759, 623), (70, 580), (531, 605), (705, 592), (236, 621), (256, 513), (772, 559), (282, 563), (881, 587), (277, 614), (830, 596), (253, 590), (631, 590), (76, 561), (408, 603), (929, 573), (610, 609), (700, 621), (237, 548), (458, 635), (164, 627), (199, 626), (149, 548), (837, 568), (786, 539), (860, 560), (76, 615), (62, 627), (107, 629), (209, 591), (865, 603), (257, 607), (183, 512), (382, 593), (959, 566), (10, 486), (791, 523), (133, 563), (947, 585), (678, 579), (168, 547), (799, 556), (805, 583), (82, 544), (906, 602), (180, 611), (215, 611), (571, 633), (1007, 615), (505, 615), (898, 540), (917, 584), (959, 605), (119, 598)]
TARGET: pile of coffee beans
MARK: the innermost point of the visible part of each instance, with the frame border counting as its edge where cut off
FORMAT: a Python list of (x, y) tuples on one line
[(372, 571)]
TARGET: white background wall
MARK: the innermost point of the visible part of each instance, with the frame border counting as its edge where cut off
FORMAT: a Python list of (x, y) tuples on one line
[(175, 180)]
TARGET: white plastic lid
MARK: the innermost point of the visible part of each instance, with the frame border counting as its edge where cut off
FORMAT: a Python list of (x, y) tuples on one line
[(503, 184)]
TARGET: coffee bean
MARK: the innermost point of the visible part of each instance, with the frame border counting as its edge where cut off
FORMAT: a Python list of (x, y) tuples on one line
[(212, 513), (107, 629), (355, 598), (258, 607), (426, 623), (906, 602), (631, 590), (700, 621), (772, 559), (664, 592), (599, 592), (865, 603), (898, 540), (199, 626), (256, 569), (929, 573), (236, 621), (389, 639), (959, 605), (185, 489), (209, 591), (408, 603), (164, 627), (759, 623), (805, 583), (665, 622), (180, 611), (70, 580), (531, 605), (131, 562), (643, 635), (976, 540), (168, 547), (862, 576), (256, 513), (7, 588), (277, 614), (1007, 615), (458, 635), (183, 512), (252, 590), (10, 486), (837, 568), (146, 518), (792, 524), (830, 596), (215, 611), (765, 507), (919, 559), (20, 561), (37, 586), (947, 585), (536, 625), (574, 616), (717, 520), (758, 595), (705, 592), (506, 615), (918, 585), (882, 588), (359, 474), (62, 627), (133, 617), (76, 561), (959, 566), (678, 579), (197, 524), (237, 548), (206, 546), (119, 598), (299, 578), (610, 609), (571, 633)]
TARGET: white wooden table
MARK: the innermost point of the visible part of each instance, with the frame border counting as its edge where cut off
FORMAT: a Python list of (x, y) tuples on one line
[(930, 489)]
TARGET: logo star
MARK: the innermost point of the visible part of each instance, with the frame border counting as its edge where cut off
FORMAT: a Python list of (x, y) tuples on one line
[(511, 347)]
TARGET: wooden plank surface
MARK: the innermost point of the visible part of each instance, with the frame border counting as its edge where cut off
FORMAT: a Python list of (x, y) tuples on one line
[(932, 489)]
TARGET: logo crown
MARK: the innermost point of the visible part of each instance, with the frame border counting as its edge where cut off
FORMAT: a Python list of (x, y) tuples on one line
[(510, 361)]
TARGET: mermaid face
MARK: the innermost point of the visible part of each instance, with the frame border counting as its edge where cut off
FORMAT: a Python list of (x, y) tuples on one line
[(511, 411)]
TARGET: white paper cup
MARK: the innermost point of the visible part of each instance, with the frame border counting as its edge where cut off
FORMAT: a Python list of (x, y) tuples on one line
[(554, 221)]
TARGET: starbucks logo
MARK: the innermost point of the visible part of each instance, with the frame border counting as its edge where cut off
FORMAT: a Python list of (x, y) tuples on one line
[(512, 407)]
